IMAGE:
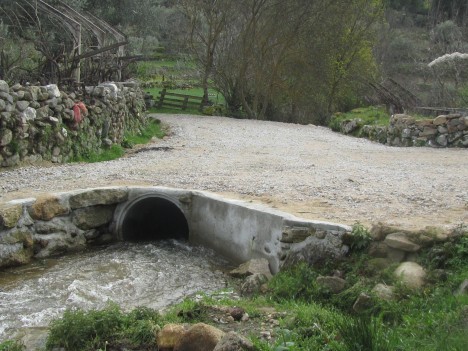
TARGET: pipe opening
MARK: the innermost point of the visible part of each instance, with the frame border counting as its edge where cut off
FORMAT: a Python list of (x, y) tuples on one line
[(154, 218)]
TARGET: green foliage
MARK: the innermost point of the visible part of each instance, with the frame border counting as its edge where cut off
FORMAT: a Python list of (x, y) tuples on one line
[(100, 329), (372, 115), (296, 283), (11, 345), (364, 334), (152, 129), (360, 237)]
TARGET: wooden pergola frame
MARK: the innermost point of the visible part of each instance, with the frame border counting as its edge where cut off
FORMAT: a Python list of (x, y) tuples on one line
[(75, 21)]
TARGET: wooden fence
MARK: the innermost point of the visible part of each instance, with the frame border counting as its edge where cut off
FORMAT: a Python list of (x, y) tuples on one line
[(181, 101)]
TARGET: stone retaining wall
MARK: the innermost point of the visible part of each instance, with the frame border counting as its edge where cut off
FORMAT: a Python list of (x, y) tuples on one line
[(39, 122), (404, 130)]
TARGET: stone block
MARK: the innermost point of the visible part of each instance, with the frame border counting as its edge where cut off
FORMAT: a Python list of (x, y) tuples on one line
[(384, 292), (10, 215), (47, 207), (14, 255), (6, 137), (95, 197), (4, 88), (92, 217), (440, 120), (399, 241)]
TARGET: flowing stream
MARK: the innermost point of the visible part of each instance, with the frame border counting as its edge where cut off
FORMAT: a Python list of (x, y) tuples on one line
[(153, 274)]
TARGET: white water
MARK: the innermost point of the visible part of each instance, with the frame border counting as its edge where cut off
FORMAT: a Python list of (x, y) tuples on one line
[(131, 274)]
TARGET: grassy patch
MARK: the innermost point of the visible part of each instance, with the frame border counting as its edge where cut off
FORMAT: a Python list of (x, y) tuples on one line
[(152, 129), (372, 115)]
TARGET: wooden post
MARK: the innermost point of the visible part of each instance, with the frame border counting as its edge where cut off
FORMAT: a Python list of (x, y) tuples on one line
[(161, 97), (77, 35), (184, 106)]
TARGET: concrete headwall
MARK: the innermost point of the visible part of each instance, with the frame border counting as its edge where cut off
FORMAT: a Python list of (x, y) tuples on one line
[(57, 223), (44, 123)]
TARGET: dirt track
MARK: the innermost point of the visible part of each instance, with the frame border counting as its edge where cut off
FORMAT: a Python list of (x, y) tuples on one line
[(305, 170)]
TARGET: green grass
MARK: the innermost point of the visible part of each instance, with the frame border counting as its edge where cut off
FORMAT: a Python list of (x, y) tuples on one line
[(152, 129), (372, 115)]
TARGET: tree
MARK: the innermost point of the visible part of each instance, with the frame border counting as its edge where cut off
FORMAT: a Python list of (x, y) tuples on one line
[(290, 60)]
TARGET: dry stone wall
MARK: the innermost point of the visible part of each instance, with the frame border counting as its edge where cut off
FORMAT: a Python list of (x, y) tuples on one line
[(44, 123), (404, 130)]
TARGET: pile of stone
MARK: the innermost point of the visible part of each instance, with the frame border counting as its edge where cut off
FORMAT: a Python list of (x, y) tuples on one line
[(40, 123)]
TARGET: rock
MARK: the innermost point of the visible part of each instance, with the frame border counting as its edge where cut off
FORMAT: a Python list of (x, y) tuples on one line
[(47, 207), (92, 217), (334, 284), (237, 313), (57, 244), (411, 274), (254, 266), (4, 88), (379, 231), (6, 137), (10, 215), (14, 255), (314, 250), (169, 336), (442, 140), (29, 114), (382, 250), (253, 284), (98, 197), (53, 91), (2, 105), (22, 105), (296, 234), (57, 225), (200, 337), (350, 126), (401, 242), (463, 288), (440, 120), (234, 342), (362, 303), (428, 131), (11, 161), (384, 292)]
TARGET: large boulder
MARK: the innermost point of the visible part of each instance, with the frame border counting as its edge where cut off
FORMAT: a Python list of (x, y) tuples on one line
[(169, 336), (411, 274), (95, 197), (314, 250), (200, 337)]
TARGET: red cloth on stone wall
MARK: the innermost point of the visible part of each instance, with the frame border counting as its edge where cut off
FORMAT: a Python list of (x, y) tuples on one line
[(79, 112)]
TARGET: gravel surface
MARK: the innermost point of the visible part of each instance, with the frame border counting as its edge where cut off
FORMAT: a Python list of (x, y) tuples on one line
[(305, 170)]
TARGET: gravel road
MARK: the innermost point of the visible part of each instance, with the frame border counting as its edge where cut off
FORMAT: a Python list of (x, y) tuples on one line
[(305, 170)]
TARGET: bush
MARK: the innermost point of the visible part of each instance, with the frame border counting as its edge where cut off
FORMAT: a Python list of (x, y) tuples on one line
[(97, 329)]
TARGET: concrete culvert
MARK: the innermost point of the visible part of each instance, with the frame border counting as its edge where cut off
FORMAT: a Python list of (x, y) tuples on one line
[(154, 218)]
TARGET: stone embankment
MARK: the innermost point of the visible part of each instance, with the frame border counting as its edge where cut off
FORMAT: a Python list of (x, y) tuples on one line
[(404, 130), (43, 123)]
